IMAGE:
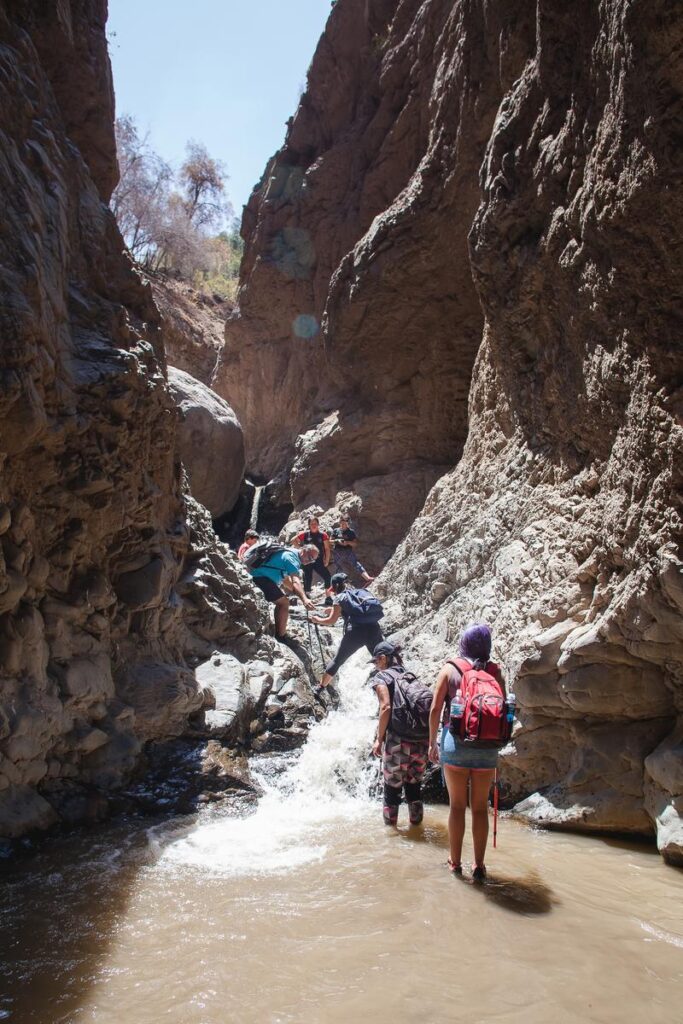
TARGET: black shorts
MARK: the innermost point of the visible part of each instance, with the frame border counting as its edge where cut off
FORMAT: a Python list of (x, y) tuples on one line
[(269, 588)]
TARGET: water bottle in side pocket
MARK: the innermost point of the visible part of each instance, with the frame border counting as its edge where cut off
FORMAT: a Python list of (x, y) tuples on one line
[(457, 711), (510, 705)]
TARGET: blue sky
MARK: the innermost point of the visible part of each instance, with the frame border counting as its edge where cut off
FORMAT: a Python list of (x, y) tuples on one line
[(227, 73)]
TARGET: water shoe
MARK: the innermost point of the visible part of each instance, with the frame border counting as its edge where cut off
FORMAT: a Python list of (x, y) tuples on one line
[(415, 812), (390, 815)]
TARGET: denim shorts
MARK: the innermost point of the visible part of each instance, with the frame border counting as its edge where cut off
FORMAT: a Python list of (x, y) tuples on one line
[(457, 754)]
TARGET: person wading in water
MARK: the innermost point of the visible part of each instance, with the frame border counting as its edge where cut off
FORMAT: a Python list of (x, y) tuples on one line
[(465, 763), (404, 758), (361, 612)]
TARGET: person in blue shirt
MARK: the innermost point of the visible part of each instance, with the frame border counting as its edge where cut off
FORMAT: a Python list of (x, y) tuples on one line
[(284, 567)]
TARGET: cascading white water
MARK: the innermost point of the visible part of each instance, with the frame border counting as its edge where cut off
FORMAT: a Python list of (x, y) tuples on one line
[(255, 506), (326, 785)]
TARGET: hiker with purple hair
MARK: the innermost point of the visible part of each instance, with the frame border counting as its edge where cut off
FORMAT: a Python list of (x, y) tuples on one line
[(464, 765)]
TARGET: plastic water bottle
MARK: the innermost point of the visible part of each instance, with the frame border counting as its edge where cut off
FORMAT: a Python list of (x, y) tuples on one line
[(510, 708), (457, 711)]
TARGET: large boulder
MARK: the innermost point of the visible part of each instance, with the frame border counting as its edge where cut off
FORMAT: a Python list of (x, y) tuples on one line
[(210, 441)]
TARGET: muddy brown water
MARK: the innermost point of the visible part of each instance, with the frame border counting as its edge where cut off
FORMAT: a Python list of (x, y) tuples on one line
[(310, 910)]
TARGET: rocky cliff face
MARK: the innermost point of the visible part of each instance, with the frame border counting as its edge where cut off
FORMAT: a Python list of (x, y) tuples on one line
[(351, 353), (561, 523), (192, 326), (464, 255), (112, 586)]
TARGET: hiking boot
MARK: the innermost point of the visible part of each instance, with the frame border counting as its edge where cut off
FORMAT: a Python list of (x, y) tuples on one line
[(415, 812), (478, 873), (390, 815)]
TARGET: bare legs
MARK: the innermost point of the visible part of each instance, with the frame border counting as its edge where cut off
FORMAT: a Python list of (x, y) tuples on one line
[(480, 785), (281, 616), (456, 783)]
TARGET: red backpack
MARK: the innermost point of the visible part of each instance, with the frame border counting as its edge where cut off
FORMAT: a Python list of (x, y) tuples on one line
[(484, 721)]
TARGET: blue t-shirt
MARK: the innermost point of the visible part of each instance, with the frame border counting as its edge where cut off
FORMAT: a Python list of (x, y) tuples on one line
[(283, 563)]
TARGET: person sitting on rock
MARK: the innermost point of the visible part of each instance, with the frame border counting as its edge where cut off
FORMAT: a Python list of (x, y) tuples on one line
[(314, 535), (250, 537), (284, 567), (357, 633), (344, 555)]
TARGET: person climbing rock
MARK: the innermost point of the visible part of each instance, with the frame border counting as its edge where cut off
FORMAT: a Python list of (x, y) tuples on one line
[(404, 758), (314, 535), (284, 567), (361, 612), (345, 559), (465, 763), (250, 538)]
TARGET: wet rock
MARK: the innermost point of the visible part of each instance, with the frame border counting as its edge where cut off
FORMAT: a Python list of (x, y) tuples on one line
[(664, 794), (22, 810), (226, 680)]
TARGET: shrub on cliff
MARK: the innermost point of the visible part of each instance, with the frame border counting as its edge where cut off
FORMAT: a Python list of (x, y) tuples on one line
[(168, 220)]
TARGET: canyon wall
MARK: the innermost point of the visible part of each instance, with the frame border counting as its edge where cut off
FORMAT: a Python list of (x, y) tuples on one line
[(112, 585), (349, 359), (464, 256)]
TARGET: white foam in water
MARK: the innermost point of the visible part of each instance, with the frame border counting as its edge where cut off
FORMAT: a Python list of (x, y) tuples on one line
[(662, 935), (327, 784)]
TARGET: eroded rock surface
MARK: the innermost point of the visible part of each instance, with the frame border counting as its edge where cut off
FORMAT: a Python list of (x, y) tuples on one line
[(465, 254), (210, 443), (350, 356), (192, 326), (112, 584), (560, 524)]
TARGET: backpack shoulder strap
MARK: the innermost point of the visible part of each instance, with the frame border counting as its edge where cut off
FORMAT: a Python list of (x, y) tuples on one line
[(462, 664)]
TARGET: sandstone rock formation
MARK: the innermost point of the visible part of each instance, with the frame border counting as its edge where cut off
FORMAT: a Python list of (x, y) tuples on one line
[(192, 326), (485, 192), (210, 443), (112, 585)]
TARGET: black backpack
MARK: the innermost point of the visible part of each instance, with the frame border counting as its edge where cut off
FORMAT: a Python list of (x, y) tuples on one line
[(259, 553), (410, 705)]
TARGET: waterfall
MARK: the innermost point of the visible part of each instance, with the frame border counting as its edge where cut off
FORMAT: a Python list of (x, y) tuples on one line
[(326, 785), (255, 506)]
